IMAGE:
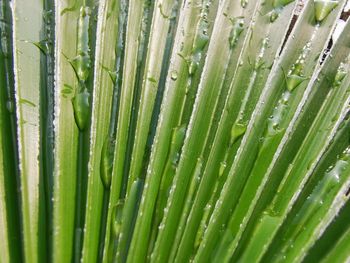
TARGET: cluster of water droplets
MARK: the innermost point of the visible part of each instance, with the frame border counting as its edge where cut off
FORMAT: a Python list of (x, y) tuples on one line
[(293, 79), (311, 209), (240, 126), (295, 75), (201, 39), (82, 66), (278, 114), (237, 29), (259, 62)]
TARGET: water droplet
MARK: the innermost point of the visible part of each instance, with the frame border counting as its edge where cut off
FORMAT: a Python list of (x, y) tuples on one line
[(295, 75), (222, 168), (82, 62), (10, 106), (106, 164), (259, 60), (113, 75), (43, 45), (237, 29), (194, 64), (323, 8), (244, 3), (294, 81), (200, 41), (47, 16), (81, 107), (237, 131), (176, 143), (340, 75), (173, 75), (273, 16), (67, 90), (152, 79), (81, 65)]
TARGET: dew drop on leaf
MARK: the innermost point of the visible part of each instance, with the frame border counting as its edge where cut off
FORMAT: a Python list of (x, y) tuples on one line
[(81, 106), (244, 3), (323, 8), (10, 106), (173, 75), (237, 29), (106, 164)]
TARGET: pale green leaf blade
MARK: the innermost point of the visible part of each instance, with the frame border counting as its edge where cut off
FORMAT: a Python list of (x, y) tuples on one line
[(26, 31), (66, 133)]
